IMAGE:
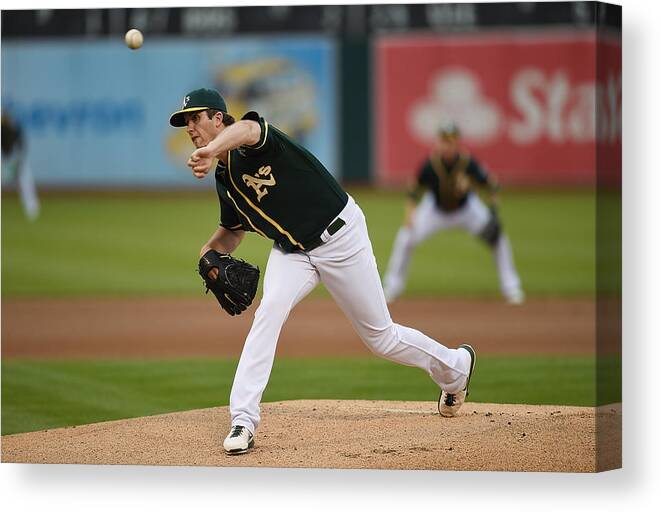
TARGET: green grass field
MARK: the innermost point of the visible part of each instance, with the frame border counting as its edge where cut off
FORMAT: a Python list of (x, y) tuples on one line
[(144, 244), (38, 395)]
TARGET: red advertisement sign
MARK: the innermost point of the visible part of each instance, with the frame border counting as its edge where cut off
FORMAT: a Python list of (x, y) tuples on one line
[(531, 106)]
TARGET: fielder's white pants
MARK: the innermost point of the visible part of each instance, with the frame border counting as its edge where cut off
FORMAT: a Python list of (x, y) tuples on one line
[(16, 164), (427, 220), (347, 267), (28, 191)]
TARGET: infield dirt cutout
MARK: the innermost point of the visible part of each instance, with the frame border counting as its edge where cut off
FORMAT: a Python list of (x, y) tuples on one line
[(193, 327), (345, 434)]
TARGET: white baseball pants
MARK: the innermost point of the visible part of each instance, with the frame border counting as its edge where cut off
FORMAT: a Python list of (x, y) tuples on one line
[(347, 267), (16, 163), (427, 220)]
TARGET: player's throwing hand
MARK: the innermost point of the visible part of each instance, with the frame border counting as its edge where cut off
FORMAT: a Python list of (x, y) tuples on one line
[(200, 162)]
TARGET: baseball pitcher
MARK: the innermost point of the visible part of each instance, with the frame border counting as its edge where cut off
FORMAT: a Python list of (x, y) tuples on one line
[(448, 179), (270, 185)]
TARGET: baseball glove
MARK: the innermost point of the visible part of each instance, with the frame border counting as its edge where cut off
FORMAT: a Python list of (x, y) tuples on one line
[(236, 284)]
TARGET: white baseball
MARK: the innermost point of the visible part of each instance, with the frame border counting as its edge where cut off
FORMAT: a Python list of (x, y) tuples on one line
[(134, 39)]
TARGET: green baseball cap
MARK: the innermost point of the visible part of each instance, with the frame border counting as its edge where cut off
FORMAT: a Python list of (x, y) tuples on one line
[(194, 101)]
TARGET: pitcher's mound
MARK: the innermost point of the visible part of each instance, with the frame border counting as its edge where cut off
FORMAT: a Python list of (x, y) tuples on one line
[(346, 434)]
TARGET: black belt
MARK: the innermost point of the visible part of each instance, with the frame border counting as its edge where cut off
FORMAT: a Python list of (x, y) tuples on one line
[(332, 228)]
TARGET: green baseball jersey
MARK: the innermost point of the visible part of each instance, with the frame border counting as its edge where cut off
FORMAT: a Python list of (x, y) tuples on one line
[(278, 189), (451, 182)]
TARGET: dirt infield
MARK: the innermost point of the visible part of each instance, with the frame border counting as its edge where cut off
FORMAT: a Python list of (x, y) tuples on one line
[(84, 328), (346, 434)]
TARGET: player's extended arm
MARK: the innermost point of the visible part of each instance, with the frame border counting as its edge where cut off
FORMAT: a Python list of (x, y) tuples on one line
[(224, 241), (485, 181), (408, 212), (241, 133), (493, 197), (491, 188), (411, 202)]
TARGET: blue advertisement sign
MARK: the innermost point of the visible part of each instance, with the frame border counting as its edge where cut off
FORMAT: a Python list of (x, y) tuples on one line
[(95, 113)]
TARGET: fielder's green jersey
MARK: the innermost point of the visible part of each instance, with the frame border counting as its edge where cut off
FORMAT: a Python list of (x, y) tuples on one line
[(451, 182), (278, 189)]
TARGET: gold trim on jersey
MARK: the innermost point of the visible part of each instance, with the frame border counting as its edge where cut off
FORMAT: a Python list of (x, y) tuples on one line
[(455, 176), (241, 212), (266, 134), (251, 204)]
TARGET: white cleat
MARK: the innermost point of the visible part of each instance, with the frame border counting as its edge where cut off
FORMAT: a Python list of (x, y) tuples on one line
[(450, 403), (391, 293), (238, 441), (516, 298)]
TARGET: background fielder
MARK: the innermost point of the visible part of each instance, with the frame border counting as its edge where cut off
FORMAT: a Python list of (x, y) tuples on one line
[(15, 163), (268, 184), (448, 178)]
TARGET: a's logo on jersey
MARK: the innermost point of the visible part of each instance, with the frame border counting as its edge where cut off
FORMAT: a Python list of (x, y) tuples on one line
[(262, 179), (186, 101)]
